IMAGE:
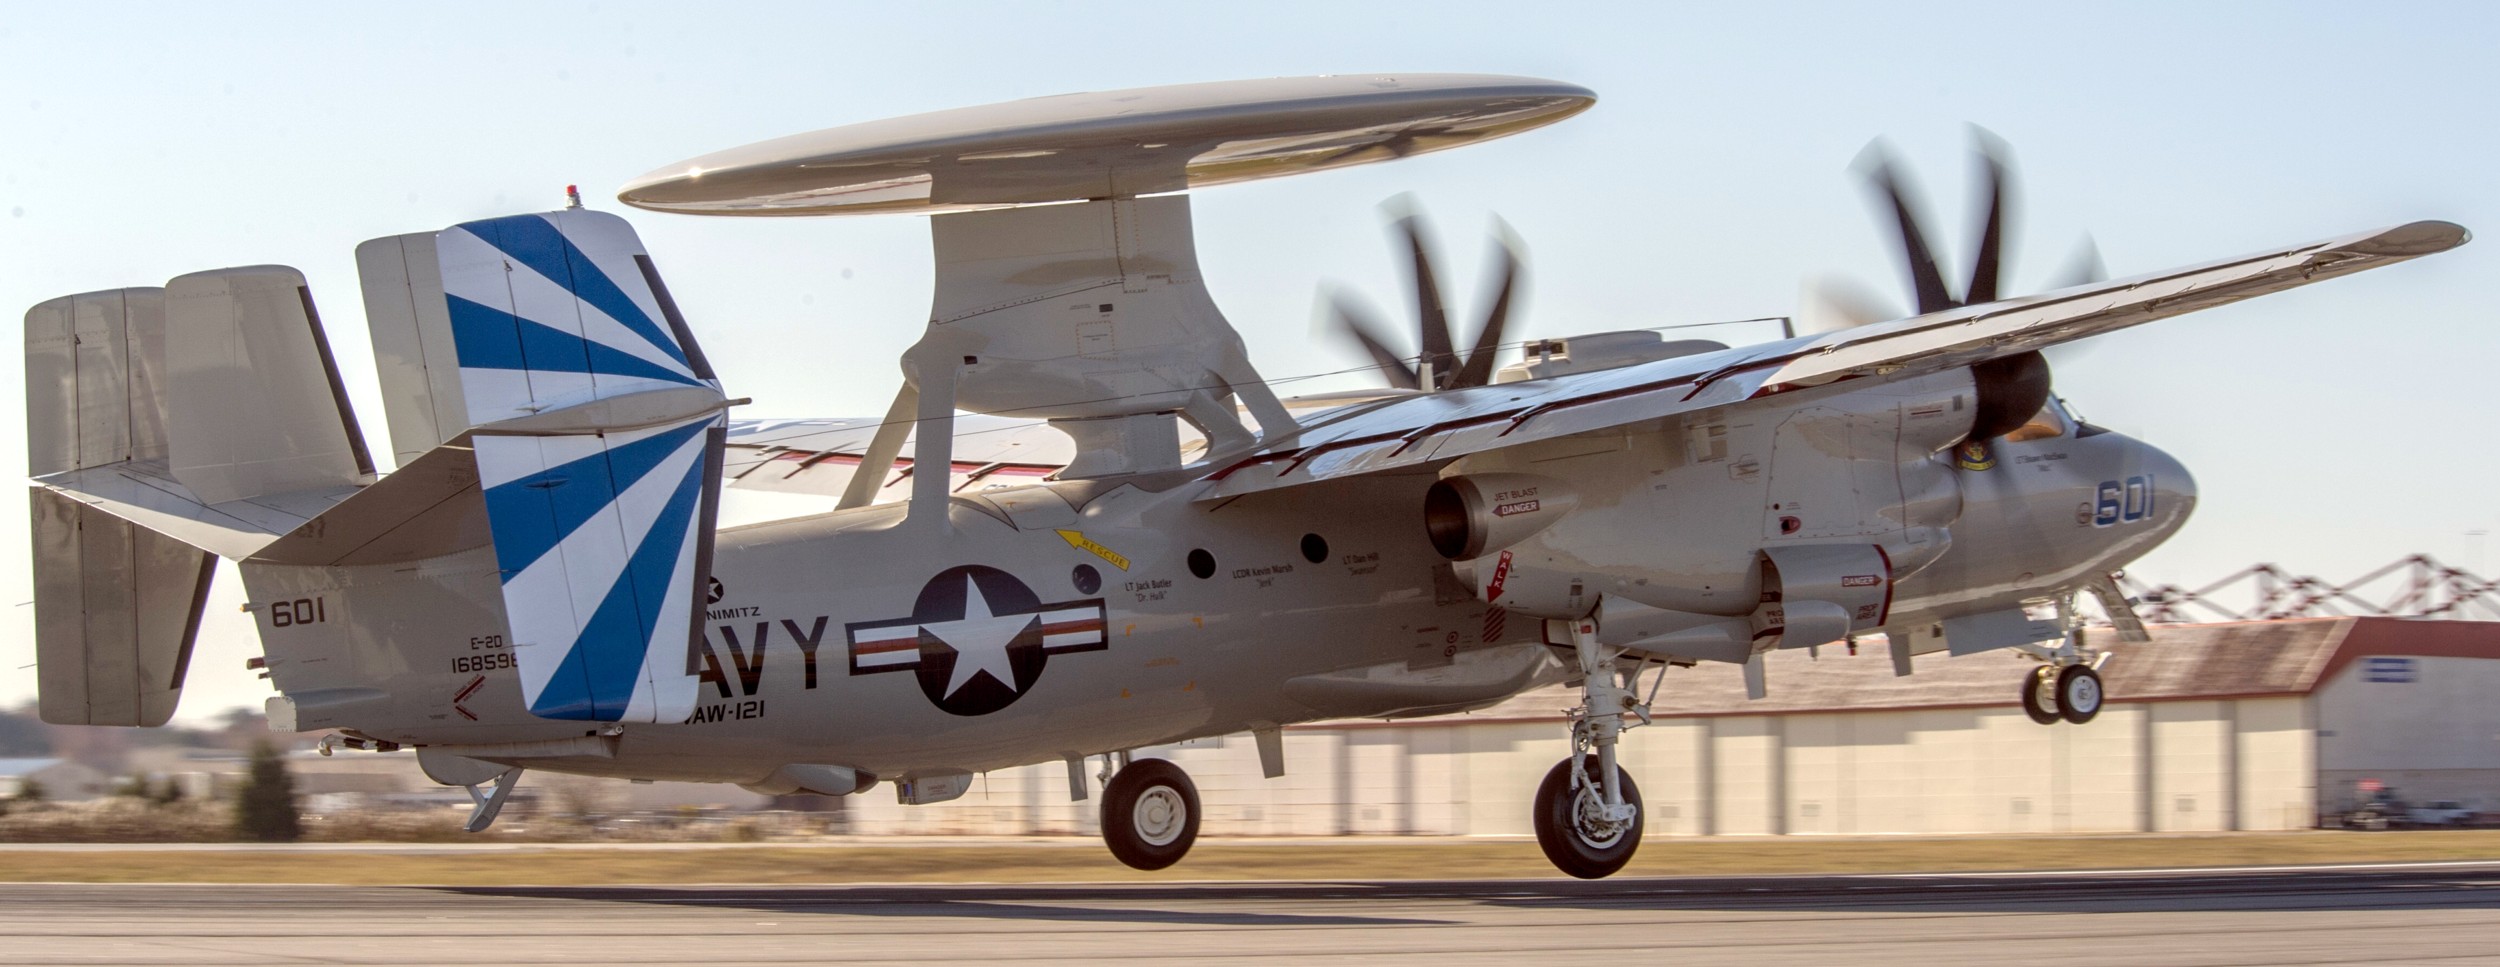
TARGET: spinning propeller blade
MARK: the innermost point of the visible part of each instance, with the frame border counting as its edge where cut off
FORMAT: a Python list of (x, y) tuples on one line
[(1438, 346), (1358, 323)]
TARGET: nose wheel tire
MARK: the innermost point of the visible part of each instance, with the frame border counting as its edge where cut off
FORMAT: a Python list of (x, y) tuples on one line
[(1150, 814), (2078, 693), (1571, 825), (2040, 695)]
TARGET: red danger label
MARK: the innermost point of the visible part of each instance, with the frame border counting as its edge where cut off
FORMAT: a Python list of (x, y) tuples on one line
[(1521, 507), (1501, 573)]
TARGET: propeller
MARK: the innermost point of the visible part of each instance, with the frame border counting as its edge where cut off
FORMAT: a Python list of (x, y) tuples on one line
[(1437, 365), (1843, 304), (2010, 388)]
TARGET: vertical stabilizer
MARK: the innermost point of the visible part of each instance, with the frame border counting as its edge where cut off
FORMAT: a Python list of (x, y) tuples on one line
[(254, 398), (412, 345), (116, 604), (599, 433), (117, 607), (95, 380)]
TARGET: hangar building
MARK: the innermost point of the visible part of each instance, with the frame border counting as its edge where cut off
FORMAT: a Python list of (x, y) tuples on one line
[(2241, 726)]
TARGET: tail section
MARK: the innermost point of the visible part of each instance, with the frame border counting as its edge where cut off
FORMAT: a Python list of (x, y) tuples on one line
[(598, 433), (207, 418), (167, 426)]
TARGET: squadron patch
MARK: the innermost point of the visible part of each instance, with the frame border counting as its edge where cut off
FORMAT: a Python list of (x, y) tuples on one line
[(1974, 455), (977, 639)]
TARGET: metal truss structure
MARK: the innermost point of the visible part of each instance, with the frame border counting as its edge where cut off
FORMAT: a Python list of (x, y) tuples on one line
[(2414, 587)]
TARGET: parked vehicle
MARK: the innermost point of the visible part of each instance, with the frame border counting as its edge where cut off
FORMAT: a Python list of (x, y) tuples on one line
[(2444, 812), (2373, 815)]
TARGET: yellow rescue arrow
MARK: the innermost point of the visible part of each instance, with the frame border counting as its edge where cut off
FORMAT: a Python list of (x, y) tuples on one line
[(1078, 540)]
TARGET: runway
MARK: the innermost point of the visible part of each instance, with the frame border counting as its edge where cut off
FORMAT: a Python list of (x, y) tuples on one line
[(2398, 914)]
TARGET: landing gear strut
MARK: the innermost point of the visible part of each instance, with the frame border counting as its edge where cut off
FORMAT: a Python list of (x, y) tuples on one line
[(1150, 814), (2066, 686), (1587, 811)]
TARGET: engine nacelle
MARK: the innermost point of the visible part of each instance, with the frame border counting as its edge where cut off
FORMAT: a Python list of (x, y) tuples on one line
[(1473, 515)]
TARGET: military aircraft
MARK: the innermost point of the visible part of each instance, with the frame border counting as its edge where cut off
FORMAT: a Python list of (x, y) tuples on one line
[(543, 582)]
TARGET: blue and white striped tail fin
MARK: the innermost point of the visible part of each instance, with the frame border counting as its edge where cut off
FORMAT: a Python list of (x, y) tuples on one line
[(557, 309), (601, 507)]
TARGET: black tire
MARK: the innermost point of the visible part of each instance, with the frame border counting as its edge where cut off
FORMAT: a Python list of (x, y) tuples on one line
[(1560, 837), (2037, 702), (2078, 694), (1150, 814)]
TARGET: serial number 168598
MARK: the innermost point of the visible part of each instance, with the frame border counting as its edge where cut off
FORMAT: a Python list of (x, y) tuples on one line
[(481, 663)]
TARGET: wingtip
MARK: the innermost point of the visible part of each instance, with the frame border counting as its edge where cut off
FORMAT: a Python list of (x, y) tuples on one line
[(2412, 239)]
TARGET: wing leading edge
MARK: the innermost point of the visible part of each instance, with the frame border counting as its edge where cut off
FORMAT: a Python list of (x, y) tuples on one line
[(1420, 431)]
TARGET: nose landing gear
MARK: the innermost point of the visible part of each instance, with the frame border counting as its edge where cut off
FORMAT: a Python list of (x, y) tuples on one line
[(1587, 812), (2070, 693), (1574, 824)]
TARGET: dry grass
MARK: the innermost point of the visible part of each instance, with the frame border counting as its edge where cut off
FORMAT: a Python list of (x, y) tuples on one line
[(1042, 862)]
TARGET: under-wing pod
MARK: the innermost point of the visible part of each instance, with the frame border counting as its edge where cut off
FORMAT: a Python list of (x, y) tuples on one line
[(799, 777), (1473, 515)]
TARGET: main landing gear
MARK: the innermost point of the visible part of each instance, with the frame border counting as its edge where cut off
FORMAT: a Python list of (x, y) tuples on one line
[(1149, 813), (1587, 811)]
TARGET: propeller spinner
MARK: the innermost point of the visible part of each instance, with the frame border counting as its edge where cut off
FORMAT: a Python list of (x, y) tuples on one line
[(1438, 365)]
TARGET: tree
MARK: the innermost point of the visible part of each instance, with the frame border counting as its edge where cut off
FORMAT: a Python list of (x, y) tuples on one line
[(266, 810), (28, 790)]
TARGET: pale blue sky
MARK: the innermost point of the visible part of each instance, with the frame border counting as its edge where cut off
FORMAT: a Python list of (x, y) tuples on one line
[(2330, 430)]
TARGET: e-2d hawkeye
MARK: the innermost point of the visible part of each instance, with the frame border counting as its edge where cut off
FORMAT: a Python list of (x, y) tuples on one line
[(1022, 561)]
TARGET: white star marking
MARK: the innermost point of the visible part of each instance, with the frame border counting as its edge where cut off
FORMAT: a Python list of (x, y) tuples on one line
[(980, 640)]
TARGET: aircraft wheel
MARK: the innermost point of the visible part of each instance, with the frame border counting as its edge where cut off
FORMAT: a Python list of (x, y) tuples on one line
[(1571, 827), (2078, 693), (1150, 814), (2039, 694)]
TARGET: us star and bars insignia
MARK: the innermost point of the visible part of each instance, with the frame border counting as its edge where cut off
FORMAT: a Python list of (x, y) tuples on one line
[(976, 639)]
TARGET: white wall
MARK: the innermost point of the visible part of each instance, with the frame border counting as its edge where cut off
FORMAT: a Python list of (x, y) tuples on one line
[(2184, 766), (2435, 737)]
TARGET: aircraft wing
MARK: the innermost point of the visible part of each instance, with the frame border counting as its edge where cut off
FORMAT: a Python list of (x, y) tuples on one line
[(1425, 431)]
